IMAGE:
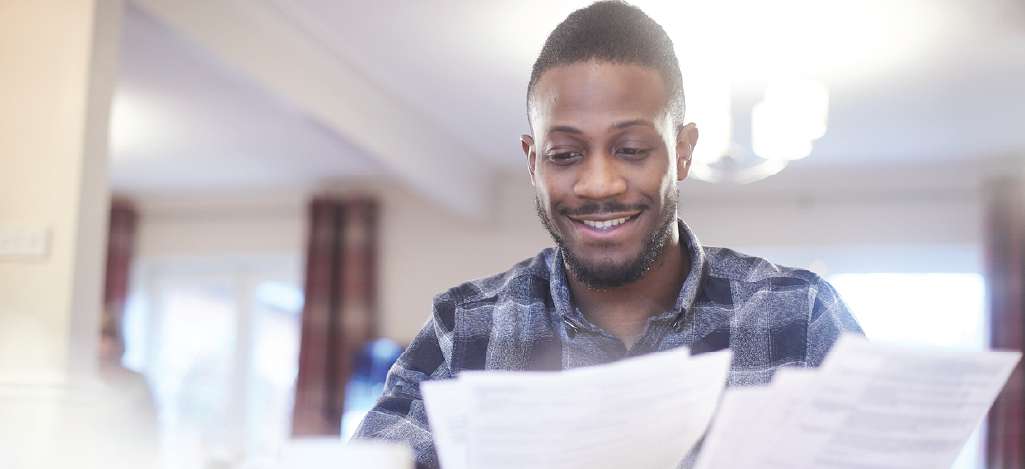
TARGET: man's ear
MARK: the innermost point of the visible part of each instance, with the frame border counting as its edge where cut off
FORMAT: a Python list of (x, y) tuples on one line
[(527, 142), (686, 139)]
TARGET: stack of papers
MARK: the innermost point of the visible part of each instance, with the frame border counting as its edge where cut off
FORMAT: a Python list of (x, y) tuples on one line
[(867, 406), (641, 412)]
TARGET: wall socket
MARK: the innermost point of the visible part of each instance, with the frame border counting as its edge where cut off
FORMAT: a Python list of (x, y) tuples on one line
[(24, 242)]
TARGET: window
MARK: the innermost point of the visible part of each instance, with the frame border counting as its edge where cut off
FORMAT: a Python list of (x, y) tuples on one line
[(219, 342), (367, 383)]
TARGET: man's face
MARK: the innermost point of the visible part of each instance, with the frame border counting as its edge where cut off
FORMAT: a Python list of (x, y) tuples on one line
[(604, 162)]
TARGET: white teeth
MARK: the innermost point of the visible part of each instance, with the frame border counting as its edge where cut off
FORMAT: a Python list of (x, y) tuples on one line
[(604, 225)]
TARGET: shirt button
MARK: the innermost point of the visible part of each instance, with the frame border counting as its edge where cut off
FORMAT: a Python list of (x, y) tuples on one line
[(571, 330)]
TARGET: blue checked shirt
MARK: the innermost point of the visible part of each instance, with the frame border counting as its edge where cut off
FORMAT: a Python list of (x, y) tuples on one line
[(524, 319)]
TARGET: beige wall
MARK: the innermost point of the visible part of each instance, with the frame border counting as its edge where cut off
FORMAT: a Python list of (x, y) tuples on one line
[(901, 205), (425, 250), (58, 68), (244, 223), (57, 65)]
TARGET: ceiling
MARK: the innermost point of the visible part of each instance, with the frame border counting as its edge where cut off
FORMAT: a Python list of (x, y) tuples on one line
[(261, 93), (183, 120)]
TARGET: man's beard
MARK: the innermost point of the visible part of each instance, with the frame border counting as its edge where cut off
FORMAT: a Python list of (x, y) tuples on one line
[(605, 276)]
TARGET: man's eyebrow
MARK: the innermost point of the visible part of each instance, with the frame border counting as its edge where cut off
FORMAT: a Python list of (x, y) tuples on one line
[(617, 126), (566, 129), (631, 123)]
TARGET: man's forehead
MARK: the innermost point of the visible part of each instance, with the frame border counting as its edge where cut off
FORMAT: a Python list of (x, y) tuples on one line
[(587, 70), (623, 92)]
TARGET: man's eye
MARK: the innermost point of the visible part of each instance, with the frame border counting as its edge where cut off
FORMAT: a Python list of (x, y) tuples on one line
[(633, 152), (565, 157)]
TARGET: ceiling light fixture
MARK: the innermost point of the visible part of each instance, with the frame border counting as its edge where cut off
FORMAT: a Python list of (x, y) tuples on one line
[(783, 126), (791, 116)]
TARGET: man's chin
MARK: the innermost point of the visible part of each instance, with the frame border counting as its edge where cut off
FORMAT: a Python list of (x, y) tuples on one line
[(604, 274), (598, 270)]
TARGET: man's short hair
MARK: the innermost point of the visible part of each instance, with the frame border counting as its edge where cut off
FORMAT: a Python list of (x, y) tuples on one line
[(615, 32)]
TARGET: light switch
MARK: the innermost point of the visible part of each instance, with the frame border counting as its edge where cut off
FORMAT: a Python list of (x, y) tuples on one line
[(24, 242)]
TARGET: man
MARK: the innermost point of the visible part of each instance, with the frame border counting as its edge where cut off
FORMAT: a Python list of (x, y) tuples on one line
[(605, 105)]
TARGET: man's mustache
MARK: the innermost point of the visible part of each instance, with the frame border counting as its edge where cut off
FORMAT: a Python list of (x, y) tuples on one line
[(594, 208)]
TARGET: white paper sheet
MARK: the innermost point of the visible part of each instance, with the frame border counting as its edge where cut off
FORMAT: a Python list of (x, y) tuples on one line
[(869, 406), (642, 412), (445, 402), (746, 427)]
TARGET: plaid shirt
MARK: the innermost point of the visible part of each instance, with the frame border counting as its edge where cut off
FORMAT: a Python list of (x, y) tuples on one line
[(524, 319)]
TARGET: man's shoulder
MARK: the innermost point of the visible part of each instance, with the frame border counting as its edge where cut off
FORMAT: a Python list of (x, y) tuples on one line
[(725, 263), (769, 315), (523, 279)]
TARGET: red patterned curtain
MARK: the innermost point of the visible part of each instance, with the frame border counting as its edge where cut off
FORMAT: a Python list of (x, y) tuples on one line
[(1005, 283), (120, 243), (339, 316)]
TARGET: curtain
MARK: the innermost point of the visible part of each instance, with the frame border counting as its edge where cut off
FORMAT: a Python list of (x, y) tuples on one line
[(1005, 283), (339, 315), (120, 243)]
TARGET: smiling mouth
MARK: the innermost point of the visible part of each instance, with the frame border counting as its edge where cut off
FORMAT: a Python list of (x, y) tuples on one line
[(600, 215), (605, 224)]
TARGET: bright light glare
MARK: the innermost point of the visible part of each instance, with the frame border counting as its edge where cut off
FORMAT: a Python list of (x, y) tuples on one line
[(804, 102), (134, 125), (708, 105), (746, 41), (926, 310), (756, 41), (792, 115)]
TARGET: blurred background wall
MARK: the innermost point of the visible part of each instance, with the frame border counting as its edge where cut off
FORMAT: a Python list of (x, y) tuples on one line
[(227, 118)]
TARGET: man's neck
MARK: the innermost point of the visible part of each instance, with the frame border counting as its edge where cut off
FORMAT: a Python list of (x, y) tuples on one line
[(624, 311)]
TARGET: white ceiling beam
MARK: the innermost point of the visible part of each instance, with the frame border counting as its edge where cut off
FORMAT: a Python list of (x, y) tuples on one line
[(292, 63)]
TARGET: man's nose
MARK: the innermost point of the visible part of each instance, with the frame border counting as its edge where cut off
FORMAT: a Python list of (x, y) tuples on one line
[(599, 178)]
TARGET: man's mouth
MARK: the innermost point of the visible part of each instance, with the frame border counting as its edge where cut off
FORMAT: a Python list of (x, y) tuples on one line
[(604, 216), (605, 224)]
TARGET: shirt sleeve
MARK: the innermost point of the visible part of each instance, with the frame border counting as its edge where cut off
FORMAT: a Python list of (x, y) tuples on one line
[(830, 318), (399, 413)]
